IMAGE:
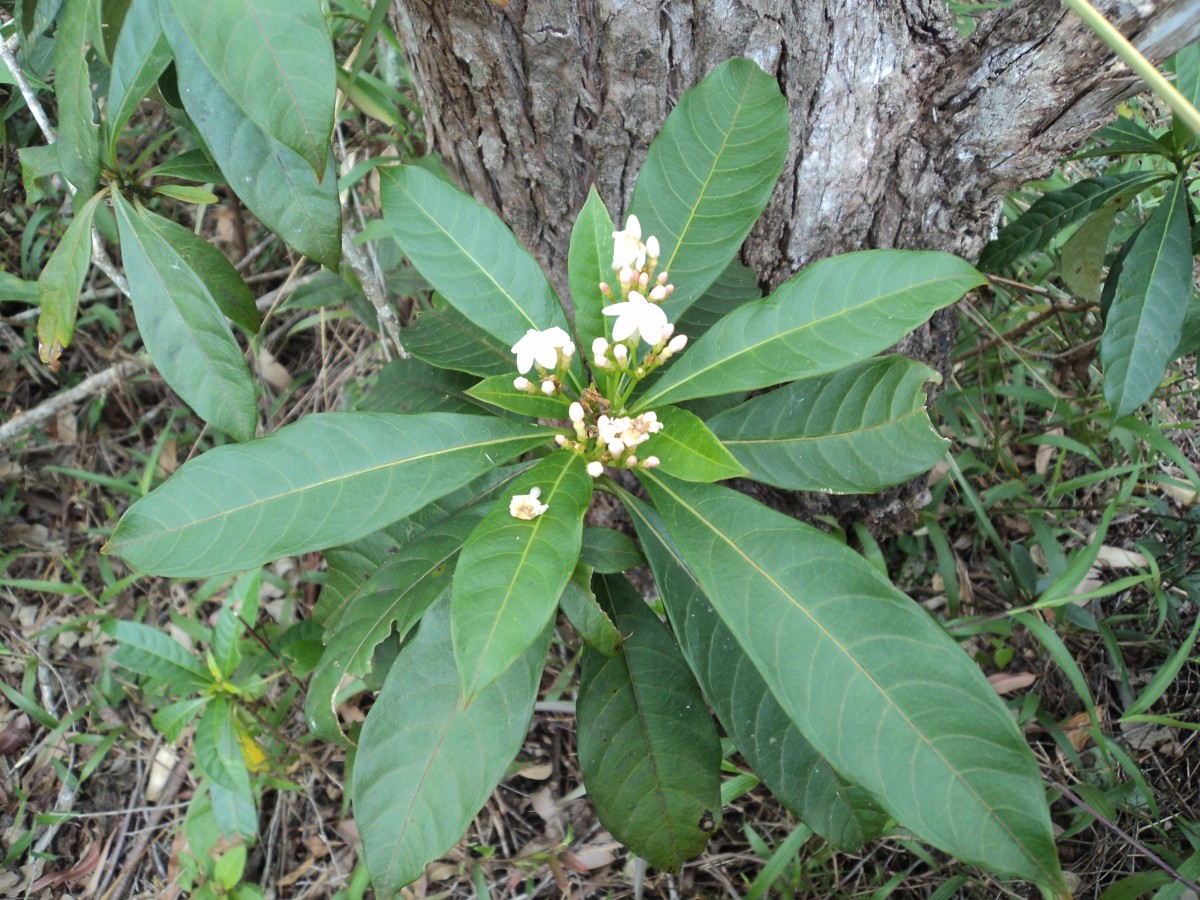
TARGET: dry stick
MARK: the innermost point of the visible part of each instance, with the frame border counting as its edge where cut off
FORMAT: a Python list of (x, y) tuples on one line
[(146, 835), (374, 291), (96, 384), (31, 100), (1123, 835)]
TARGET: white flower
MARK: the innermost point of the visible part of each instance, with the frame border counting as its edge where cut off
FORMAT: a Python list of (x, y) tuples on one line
[(526, 506), (595, 468), (638, 430), (628, 249), (637, 315), (541, 347)]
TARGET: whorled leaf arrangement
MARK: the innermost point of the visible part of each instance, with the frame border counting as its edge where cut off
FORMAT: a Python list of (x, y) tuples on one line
[(787, 632)]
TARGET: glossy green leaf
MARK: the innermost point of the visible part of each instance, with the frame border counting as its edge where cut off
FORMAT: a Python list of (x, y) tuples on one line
[(393, 599), (59, 284), (578, 603), (443, 337), (1055, 211), (709, 173), (687, 449), (78, 132), (141, 56), (218, 753), (413, 386), (647, 746), (1149, 307), (609, 551), (153, 653), (1123, 137), (589, 262), (277, 184), (274, 59), (426, 760), (18, 290), (468, 255), (1189, 338), (170, 720), (194, 165), (796, 773), (328, 479), (835, 312), (238, 611), (210, 265), (185, 193), (850, 432), (183, 329), (734, 287), (511, 571), (868, 678), (498, 391)]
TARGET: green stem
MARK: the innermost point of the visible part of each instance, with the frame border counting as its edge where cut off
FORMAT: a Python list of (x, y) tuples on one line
[(1154, 79)]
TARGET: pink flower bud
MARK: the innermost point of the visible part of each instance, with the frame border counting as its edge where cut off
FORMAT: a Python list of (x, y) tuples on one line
[(620, 353), (659, 293)]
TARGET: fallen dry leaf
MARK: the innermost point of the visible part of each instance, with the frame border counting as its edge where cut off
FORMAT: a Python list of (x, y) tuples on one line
[(1120, 558), (1007, 682)]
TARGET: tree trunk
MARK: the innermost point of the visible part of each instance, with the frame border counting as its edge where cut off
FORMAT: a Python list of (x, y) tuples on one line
[(904, 134)]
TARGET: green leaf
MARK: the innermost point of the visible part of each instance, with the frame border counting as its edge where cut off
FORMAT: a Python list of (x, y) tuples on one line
[(1082, 260), (170, 720), (1124, 136), (796, 773), (1148, 310), (868, 678), (78, 132), (687, 449), (578, 604), (274, 59), (328, 479), (60, 282), (413, 386), (1055, 211), (426, 760), (1189, 338), (609, 551), (147, 651), (229, 868), (210, 265), (277, 184), (240, 606), (834, 313), (512, 571), (185, 193), (444, 337), (589, 262), (498, 391), (141, 56), (709, 173), (648, 750), (850, 432), (734, 287), (468, 255), (392, 600), (18, 290), (218, 753), (183, 329), (194, 165)]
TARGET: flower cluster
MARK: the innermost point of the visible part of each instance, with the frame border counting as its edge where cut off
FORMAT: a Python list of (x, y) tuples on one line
[(610, 440), (551, 350)]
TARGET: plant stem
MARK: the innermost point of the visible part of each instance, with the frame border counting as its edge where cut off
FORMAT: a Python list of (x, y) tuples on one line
[(1154, 79)]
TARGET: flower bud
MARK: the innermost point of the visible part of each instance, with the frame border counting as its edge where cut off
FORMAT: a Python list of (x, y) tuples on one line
[(575, 412), (605, 289), (643, 281), (662, 278), (568, 350), (649, 462), (634, 227), (599, 347), (548, 387), (659, 294), (625, 276), (652, 247), (601, 362), (668, 331), (631, 460), (522, 383), (561, 440), (616, 447), (620, 352), (677, 343), (595, 468)]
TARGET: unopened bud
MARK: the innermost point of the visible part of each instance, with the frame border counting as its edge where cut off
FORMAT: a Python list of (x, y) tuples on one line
[(677, 343), (522, 383), (659, 293), (662, 278), (595, 468), (644, 281), (652, 247), (568, 350), (548, 388), (620, 352), (616, 447), (601, 362), (605, 289), (631, 460), (575, 412), (625, 276), (649, 462), (599, 347), (668, 330), (561, 440)]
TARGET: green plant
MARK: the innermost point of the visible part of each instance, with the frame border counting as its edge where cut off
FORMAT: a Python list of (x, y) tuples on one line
[(1150, 309), (848, 700)]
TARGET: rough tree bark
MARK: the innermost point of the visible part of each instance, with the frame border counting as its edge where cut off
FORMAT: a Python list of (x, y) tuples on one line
[(904, 134)]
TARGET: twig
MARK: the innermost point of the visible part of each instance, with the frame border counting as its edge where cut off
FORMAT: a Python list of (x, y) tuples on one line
[(31, 100), (388, 319), (101, 381), (174, 782)]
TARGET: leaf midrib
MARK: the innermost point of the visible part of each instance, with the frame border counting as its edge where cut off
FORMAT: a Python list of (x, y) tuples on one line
[(812, 438)]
